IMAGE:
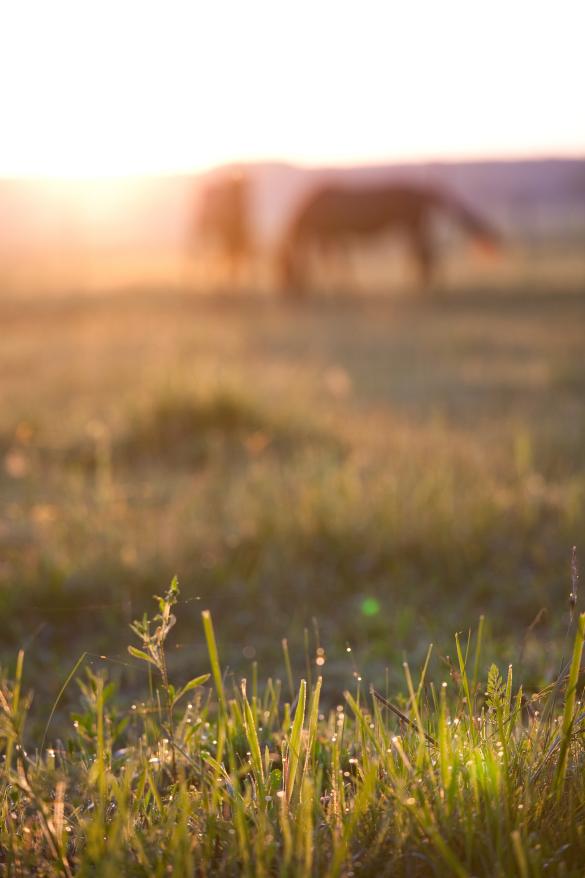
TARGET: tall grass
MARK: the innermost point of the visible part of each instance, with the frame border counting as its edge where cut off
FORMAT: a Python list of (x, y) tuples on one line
[(468, 776)]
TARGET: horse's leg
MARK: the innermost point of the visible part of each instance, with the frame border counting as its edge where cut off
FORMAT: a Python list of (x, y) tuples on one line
[(336, 259), (294, 274), (424, 255), (235, 265)]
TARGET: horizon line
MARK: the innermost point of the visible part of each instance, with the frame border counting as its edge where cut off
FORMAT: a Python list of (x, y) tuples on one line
[(302, 164)]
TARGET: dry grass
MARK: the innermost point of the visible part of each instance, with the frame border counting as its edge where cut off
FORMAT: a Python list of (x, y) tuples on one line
[(291, 463)]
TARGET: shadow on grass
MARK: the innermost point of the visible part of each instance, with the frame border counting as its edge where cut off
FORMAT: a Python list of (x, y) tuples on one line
[(182, 430)]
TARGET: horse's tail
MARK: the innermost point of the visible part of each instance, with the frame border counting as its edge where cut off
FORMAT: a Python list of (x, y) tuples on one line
[(476, 226)]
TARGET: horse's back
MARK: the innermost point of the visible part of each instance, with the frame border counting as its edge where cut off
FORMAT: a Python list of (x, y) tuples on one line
[(361, 210)]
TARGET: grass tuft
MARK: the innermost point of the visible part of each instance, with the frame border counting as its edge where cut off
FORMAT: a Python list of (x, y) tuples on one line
[(233, 785)]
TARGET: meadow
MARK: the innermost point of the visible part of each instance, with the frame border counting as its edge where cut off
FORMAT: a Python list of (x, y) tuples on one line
[(360, 476)]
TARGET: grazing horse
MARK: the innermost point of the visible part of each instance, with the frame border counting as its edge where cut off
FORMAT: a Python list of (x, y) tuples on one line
[(334, 216), (223, 222)]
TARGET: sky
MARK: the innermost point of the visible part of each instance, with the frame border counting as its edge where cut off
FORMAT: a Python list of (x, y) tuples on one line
[(129, 88)]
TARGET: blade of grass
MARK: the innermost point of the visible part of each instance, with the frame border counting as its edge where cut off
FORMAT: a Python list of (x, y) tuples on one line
[(405, 719), (295, 740), (569, 711), (288, 668), (214, 659), (60, 695), (466, 690), (254, 744)]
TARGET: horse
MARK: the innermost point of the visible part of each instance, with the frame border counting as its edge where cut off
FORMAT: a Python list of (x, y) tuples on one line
[(222, 223), (336, 216)]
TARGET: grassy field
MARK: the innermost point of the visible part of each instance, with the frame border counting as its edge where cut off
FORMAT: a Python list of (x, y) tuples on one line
[(360, 475)]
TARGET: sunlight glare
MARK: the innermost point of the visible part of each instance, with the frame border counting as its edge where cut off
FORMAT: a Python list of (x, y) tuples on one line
[(134, 88)]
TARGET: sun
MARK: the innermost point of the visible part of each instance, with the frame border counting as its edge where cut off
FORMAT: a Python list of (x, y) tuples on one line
[(109, 89)]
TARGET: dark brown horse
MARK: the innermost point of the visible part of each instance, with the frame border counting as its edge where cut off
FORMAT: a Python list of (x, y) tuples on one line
[(333, 217)]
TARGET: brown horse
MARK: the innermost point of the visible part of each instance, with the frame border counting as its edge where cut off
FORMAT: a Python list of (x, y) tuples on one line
[(333, 217), (223, 222)]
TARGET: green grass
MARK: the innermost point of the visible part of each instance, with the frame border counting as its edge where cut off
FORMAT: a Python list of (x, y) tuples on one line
[(338, 485), (457, 774), (393, 468)]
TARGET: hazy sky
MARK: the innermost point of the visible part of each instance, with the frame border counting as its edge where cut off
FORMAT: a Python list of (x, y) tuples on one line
[(94, 88)]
